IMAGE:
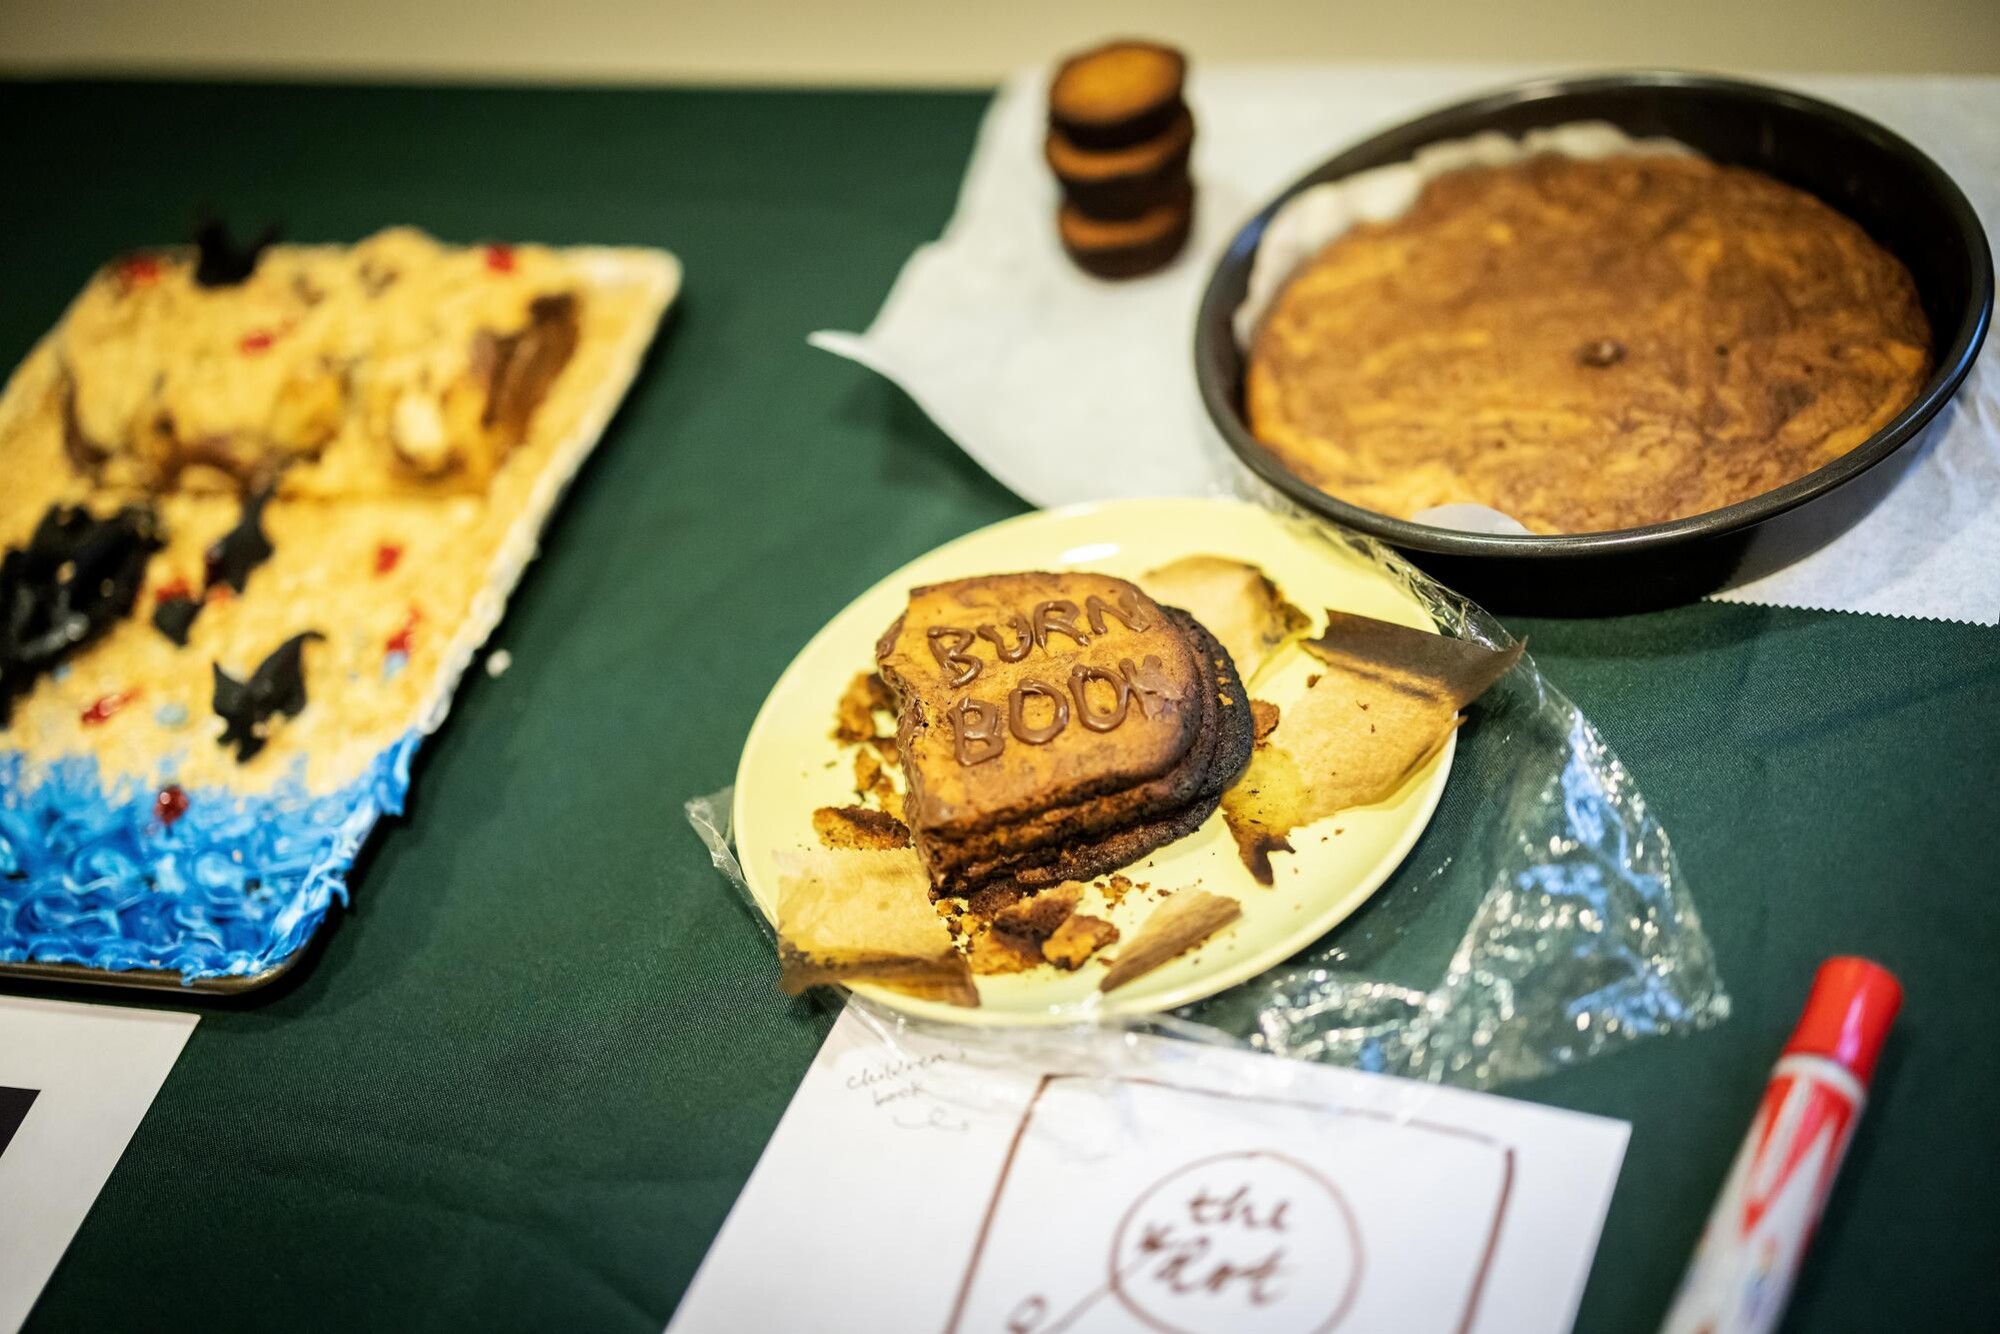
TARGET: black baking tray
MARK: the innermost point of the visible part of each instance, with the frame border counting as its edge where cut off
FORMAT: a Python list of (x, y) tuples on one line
[(1899, 196)]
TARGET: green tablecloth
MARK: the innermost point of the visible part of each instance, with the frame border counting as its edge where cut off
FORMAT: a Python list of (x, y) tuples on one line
[(525, 1078)]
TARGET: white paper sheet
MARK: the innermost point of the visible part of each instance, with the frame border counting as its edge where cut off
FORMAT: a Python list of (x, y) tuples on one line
[(86, 1074), (1068, 389), (949, 1185)]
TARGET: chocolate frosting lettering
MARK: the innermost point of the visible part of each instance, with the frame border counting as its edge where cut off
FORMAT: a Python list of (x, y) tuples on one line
[(976, 731), (1025, 638), (1148, 684), (1128, 611), (961, 666), (1017, 712), (1057, 616), (1080, 678)]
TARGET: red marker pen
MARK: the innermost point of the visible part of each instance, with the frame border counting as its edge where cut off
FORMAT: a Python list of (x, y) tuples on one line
[(1749, 1254)]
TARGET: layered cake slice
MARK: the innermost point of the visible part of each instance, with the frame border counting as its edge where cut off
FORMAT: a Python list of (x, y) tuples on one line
[(1056, 726)]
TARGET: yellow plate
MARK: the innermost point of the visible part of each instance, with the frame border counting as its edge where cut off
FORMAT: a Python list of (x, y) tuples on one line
[(791, 765)]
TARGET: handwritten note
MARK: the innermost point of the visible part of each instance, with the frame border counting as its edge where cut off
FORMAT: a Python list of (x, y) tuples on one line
[(898, 1083), (930, 1185)]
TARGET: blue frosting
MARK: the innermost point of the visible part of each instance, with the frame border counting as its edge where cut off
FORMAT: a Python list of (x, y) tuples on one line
[(89, 875)]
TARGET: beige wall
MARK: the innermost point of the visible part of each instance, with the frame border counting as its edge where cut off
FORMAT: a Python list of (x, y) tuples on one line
[(958, 41)]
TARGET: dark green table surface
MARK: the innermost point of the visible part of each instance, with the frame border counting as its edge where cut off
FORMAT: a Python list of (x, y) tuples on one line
[(525, 1078)]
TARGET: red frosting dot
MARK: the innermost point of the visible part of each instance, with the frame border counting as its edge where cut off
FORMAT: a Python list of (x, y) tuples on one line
[(173, 588), (257, 340), (500, 258), (386, 556), (140, 270), (104, 706), (170, 805), (400, 641)]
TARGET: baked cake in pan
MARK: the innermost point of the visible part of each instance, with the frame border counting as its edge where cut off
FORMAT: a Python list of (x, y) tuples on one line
[(1586, 345)]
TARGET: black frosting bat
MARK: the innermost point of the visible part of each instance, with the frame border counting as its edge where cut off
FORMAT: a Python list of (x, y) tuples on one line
[(220, 261), (230, 560), (243, 548), (77, 576), (174, 618), (277, 686)]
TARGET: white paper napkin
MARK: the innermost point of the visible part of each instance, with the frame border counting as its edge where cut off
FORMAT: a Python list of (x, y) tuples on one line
[(1069, 389)]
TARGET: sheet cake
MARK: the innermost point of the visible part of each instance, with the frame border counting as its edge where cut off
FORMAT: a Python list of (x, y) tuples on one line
[(335, 462)]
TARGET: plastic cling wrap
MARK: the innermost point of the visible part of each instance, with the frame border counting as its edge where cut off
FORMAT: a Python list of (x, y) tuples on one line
[(1539, 921)]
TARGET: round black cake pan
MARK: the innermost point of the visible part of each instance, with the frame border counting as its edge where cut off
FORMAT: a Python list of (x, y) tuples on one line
[(1900, 197)]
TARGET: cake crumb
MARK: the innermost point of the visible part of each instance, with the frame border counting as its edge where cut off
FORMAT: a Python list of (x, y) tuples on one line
[(867, 773), (859, 827), (1079, 937), (1265, 717), (1003, 952), (871, 780), (1039, 915), (854, 714)]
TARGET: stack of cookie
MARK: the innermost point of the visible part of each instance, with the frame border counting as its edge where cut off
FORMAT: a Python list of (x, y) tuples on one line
[(1118, 141), (1056, 727)]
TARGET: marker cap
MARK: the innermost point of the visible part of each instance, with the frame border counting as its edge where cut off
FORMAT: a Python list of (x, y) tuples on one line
[(1848, 1014)]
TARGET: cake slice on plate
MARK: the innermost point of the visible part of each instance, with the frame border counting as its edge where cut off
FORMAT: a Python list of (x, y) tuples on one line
[(1056, 726)]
